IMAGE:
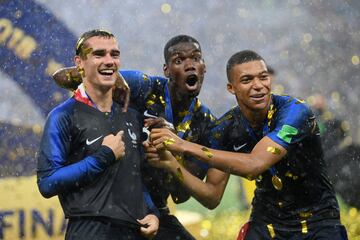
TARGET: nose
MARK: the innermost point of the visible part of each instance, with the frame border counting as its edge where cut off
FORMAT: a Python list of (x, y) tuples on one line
[(109, 60), (257, 84), (189, 64)]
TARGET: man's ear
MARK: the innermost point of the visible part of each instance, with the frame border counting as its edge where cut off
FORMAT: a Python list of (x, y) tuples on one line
[(230, 88), (77, 60), (166, 71)]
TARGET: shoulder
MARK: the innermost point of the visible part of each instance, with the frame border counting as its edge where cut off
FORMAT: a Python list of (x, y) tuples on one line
[(291, 108), (134, 74), (63, 110), (205, 112), (60, 118), (229, 116), (224, 123)]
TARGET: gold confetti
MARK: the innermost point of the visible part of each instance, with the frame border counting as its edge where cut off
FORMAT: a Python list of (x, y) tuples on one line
[(290, 175), (168, 142), (183, 113), (217, 135), (183, 127), (271, 230), (198, 105), (145, 77), (304, 228), (152, 97), (166, 8), (180, 160), (162, 100), (274, 150), (179, 174), (207, 152), (149, 103), (84, 52), (298, 101), (355, 60), (305, 214)]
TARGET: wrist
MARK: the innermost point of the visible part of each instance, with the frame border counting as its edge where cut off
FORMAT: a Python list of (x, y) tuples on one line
[(174, 166)]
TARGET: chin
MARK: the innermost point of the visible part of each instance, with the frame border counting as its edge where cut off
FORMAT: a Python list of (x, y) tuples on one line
[(193, 93)]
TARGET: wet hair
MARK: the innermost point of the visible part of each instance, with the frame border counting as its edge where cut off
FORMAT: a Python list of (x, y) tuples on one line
[(176, 40), (241, 57), (81, 42), (271, 70)]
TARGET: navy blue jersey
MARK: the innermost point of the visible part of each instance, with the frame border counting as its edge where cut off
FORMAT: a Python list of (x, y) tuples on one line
[(149, 96), (88, 180), (306, 193)]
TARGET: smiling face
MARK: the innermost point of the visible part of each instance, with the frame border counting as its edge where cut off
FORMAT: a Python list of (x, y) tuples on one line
[(251, 84), (185, 68), (100, 62)]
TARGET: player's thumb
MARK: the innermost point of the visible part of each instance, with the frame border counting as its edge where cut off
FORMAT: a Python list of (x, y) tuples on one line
[(120, 134)]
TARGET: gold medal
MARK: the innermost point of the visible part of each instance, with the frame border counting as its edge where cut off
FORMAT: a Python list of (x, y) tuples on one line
[(276, 182)]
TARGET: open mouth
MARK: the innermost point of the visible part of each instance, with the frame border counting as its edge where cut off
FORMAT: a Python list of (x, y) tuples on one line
[(107, 72), (191, 80)]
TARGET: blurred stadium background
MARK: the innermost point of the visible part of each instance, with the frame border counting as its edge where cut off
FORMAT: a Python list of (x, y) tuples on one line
[(313, 45)]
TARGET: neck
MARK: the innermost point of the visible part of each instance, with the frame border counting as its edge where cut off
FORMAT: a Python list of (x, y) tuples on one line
[(101, 97), (179, 102), (256, 118)]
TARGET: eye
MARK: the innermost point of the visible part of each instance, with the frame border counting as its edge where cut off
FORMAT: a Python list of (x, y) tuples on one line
[(197, 58), (245, 80), (115, 56), (264, 77), (178, 61)]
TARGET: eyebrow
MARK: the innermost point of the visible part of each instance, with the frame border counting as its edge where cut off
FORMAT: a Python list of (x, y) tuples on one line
[(252, 75), (180, 52), (103, 51)]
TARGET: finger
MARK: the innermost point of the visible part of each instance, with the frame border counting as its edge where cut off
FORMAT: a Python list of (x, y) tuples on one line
[(152, 158), (120, 133), (157, 130), (151, 153), (158, 140)]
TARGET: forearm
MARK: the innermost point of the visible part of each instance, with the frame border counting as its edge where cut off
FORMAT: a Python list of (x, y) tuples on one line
[(69, 177), (241, 164), (208, 194)]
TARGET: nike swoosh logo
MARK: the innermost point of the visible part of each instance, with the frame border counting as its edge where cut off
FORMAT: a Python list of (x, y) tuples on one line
[(146, 114), (92, 141), (239, 147)]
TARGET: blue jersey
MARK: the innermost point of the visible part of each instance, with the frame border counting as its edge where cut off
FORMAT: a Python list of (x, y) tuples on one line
[(84, 174), (306, 193), (149, 95)]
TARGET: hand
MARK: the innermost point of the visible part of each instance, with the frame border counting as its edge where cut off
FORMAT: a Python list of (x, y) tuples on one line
[(159, 159), (158, 122), (68, 78), (162, 138), (116, 144), (150, 226)]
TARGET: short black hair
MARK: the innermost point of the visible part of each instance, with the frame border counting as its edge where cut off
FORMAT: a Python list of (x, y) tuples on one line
[(175, 40), (241, 57), (81, 42), (271, 70)]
